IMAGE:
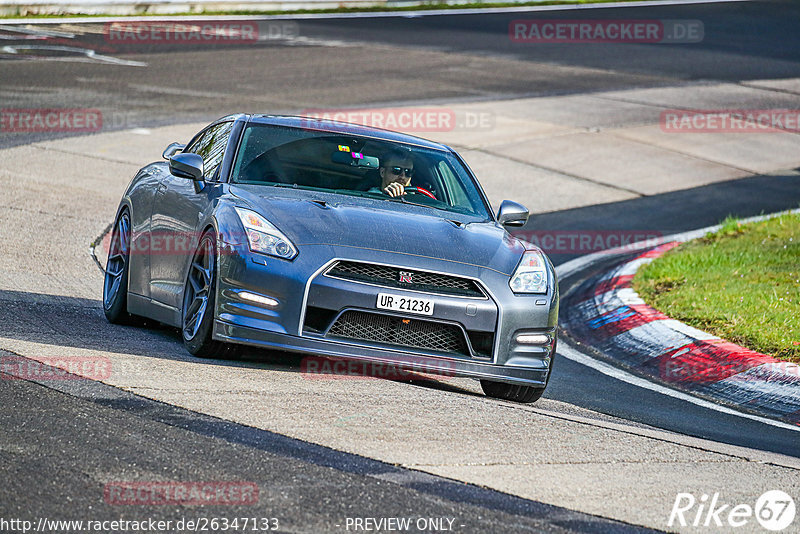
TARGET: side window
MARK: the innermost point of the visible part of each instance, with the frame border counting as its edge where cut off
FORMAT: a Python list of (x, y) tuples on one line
[(211, 147), (458, 196), (192, 146)]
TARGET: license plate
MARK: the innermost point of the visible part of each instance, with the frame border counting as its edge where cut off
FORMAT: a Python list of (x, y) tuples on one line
[(399, 303)]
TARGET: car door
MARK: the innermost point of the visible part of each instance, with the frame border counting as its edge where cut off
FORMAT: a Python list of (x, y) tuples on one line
[(178, 210)]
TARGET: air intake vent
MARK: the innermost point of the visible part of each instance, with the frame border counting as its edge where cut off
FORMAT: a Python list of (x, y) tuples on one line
[(418, 333)]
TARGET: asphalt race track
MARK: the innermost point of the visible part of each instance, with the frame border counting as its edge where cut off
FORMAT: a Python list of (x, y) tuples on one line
[(596, 454)]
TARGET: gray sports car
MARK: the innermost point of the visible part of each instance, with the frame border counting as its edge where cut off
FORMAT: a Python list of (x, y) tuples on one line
[(339, 241)]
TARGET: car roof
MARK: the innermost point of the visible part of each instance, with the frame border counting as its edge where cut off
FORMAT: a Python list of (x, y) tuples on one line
[(347, 128)]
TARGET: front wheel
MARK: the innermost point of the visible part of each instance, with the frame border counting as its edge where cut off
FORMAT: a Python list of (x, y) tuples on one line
[(511, 392), (115, 284), (197, 321), (514, 393)]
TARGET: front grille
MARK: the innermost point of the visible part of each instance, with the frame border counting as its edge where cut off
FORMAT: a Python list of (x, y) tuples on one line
[(383, 275), (401, 331)]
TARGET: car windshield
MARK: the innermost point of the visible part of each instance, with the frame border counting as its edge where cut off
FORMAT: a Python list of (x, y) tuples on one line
[(277, 156)]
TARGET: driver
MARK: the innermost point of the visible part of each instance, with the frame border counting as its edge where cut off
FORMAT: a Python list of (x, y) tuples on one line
[(396, 171)]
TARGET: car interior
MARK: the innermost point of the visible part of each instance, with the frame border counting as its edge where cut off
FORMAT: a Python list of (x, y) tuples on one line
[(334, 163)]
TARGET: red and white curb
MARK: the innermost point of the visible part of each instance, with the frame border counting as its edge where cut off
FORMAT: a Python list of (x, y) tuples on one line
[(605, 313)]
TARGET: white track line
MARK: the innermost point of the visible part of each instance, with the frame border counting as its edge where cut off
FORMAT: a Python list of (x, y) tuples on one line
[(82, 54), (614, 372), (373, 14)]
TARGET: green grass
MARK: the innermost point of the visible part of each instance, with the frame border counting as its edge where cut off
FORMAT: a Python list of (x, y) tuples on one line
[(741, 283), (366, 9)]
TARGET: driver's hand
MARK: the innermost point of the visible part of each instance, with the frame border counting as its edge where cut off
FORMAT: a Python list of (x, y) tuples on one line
[(394, 189)]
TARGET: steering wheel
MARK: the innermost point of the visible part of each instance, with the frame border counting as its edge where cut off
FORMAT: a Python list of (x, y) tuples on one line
[(420, 191)]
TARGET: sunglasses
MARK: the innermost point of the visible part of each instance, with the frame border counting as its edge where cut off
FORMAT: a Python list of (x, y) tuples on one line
[(397, 171)]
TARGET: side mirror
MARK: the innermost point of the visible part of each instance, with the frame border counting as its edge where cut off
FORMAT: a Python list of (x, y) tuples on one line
[(187, 165), (172, 149), (512, 214)]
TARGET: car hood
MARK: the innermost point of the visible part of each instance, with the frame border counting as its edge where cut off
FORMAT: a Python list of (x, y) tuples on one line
[(309, 218)]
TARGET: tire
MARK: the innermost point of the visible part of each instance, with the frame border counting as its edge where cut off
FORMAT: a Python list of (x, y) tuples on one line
[(515, 393), (511, 392), (199, 301), (115, 284)]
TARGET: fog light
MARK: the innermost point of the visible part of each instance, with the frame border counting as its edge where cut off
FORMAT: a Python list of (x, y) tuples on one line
[(258, 299), (533, 339)]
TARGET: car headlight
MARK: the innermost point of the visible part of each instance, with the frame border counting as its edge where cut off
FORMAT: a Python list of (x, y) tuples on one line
[(264, 237), (531, 274)]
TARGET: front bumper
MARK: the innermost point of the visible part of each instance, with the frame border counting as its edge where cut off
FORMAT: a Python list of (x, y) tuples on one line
[(296, 285), (402, 359)]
